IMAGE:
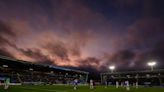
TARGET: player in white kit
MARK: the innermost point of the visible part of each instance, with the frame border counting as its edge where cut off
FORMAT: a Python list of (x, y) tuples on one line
[(7, 83), (136, 85), (127, 85), (91, 84), (117, 84), (122, 84)]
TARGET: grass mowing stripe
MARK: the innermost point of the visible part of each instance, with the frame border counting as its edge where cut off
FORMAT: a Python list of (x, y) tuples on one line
[(52, 88), (43, 89)]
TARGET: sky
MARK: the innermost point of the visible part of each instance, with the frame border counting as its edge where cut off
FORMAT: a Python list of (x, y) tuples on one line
[(84, 34)]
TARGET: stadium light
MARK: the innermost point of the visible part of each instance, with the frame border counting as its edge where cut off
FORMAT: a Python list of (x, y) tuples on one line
[(5, 66), (31, 69), (152, 64), (112, 68), (51, 72)]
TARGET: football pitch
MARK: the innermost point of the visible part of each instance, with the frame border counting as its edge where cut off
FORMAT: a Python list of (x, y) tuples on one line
[(52, 88)]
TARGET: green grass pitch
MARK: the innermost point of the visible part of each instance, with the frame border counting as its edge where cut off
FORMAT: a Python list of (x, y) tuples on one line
[(52, 88)]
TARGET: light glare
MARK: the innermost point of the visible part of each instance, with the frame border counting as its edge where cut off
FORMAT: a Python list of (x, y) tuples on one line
[(111, 67), (152, 63)]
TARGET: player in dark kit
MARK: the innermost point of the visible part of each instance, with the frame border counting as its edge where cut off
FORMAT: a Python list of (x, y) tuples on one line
[(75, 82)]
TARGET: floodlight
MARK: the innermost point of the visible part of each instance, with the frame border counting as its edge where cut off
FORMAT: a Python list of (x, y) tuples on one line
[(152, 64), (31, 69), (5, 66), (112, 68)]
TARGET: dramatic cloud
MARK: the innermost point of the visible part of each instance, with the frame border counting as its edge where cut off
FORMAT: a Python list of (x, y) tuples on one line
[(89, 62), (144, 32), (58, 49), (37, 56), (6, 36), (5, 33), (4, 52), (83, 34)]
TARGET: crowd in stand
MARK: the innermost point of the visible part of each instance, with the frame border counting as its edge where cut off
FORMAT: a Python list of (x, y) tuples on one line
[(39, 77)]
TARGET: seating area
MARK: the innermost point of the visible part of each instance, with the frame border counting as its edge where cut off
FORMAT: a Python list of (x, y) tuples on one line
[(32, 73)]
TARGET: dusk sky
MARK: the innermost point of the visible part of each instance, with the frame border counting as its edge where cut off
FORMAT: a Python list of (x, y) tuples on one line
[(85, 34)]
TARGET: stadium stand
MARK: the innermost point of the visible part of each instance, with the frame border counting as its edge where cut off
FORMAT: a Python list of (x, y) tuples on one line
[(32, 73), (145, 78)]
